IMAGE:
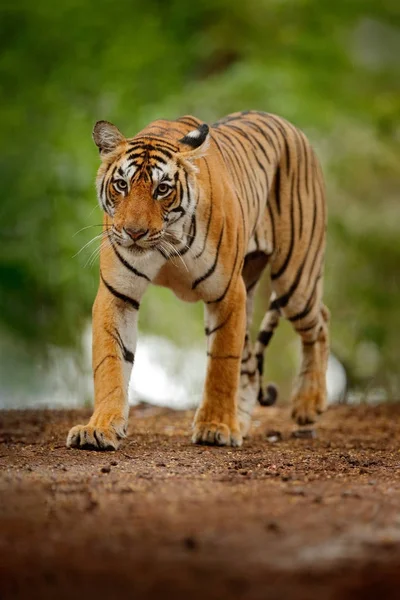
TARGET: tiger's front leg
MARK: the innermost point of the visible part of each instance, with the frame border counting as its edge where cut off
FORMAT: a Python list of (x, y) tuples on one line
[(216, 419), (114, 342)]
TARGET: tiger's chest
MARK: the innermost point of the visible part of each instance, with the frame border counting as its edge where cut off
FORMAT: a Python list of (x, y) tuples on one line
[(178, 280)]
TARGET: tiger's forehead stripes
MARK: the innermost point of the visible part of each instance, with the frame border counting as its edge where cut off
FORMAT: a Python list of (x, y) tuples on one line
[(153, 163)]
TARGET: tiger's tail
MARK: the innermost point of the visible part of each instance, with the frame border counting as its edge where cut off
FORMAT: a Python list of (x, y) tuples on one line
[(269, 395)]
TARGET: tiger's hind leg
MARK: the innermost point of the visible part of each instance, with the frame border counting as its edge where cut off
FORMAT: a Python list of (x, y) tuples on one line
[(309, 394)]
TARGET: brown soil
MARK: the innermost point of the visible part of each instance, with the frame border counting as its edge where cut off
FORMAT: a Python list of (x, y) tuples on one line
[(280, 518)]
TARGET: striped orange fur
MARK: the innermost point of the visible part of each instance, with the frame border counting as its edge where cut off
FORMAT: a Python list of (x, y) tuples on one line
[(203, 210)]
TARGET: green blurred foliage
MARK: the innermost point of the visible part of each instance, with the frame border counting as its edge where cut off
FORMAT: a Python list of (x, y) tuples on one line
[(330, 68)]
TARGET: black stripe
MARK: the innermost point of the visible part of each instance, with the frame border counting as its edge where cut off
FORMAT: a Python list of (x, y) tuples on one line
[(278, 189), (284, 134), (265, 135), (181, 212), (309, 306), (283, 300), (102, 361), (271, 216), (248, 373), (292, 238), (210, 212), (224, 158), (260, 363), (131, 301), (234, 159), (252, 139), (127, 355), (246, 358), (312, 325), (224, 357), (220, 326), (264, 337), (192, 233), (159, 144), (128, 265), (274, 306), (214, 265), (187, 120), (222, 296), (249, 171)]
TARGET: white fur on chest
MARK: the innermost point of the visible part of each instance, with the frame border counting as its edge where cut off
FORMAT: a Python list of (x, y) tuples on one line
[(177, 279)]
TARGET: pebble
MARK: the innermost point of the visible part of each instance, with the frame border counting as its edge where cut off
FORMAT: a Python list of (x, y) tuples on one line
[(190, 543), (106, 469), (273, 436), (273, 526), (350, 494), (304, 434), (296, 491)]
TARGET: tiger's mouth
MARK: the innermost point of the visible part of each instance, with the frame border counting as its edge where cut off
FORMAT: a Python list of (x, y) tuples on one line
[(164, 241), (138, 248)]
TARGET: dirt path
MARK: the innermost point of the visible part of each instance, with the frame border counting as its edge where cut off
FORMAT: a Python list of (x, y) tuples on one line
[(279, 518)]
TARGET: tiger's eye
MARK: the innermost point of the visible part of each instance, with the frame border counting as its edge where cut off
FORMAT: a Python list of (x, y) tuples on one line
[(163, 188), (121, 185)]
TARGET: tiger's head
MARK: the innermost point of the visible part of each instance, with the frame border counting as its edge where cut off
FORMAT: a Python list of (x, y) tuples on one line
[(147, 184)]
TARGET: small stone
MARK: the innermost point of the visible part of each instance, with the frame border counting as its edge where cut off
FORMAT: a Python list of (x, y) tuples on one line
[(273, 436), (304, 434), (113, 463), (190, 543), (92, 504), (273, 526), (296, 491), (106, 469), (350, 494)]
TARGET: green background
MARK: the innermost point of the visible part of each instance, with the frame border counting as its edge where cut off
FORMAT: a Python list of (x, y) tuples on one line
[(332, 68)]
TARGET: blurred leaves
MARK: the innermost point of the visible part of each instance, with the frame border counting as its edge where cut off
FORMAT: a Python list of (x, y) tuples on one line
[(331, 68)]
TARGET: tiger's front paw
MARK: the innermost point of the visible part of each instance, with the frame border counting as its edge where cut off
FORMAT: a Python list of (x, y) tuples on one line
[(216, 434), (97, 436)]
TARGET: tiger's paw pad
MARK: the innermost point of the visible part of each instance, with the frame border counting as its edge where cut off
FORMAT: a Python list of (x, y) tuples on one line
[(216, 434), (87, 437)]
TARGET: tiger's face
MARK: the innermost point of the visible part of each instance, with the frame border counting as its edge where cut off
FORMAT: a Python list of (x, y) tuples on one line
[(147, 186)]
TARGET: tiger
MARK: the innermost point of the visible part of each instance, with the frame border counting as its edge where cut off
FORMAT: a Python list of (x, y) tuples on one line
[(203, 210)]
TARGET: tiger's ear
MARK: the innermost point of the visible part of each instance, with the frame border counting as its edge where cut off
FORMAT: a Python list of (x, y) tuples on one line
[(106, 137), (195, 143)]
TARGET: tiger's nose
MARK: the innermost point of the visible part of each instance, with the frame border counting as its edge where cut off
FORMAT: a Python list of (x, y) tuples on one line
[(136, 234)]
